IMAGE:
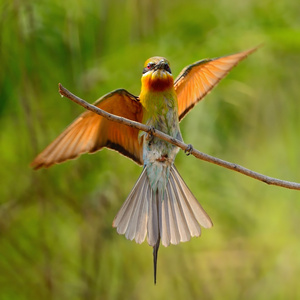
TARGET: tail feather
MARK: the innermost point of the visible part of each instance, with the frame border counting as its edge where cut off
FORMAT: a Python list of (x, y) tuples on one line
[(191, 221), (191, 202), (173, 215), (139, 213), (141, 223), (174, 224), (124, 216), (155, 254), (136, 215), (131, 219), (181, 213), (166, 221), (153, 206)]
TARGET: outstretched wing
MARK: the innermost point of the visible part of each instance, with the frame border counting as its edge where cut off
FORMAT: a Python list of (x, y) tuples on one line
[(91, 132), (196, 80)]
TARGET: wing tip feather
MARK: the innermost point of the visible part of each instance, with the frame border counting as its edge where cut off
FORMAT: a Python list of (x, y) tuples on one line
[(184, 84)]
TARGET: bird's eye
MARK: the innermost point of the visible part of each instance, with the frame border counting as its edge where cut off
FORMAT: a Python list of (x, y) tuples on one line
[(149, 67)]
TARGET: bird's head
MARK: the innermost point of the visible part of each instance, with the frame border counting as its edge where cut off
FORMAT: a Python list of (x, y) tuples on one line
[(157, 75)]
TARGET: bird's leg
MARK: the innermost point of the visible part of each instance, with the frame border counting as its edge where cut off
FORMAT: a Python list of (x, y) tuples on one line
[(155, 252), (151, 130), (150, 135), (188, 151)]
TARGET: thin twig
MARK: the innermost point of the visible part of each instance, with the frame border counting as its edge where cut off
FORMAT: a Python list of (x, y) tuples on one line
[(187, 148)]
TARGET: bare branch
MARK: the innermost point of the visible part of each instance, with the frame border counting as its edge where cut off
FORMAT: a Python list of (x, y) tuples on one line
[(187, 148)]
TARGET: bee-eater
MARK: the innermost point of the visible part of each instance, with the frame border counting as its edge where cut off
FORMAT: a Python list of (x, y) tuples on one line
[(160, 206)]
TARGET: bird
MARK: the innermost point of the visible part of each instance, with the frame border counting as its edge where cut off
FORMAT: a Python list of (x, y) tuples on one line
[(160, 207)]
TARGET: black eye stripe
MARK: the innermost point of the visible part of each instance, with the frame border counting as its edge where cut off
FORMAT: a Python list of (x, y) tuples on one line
[(145, 70), (151, 66), (167, 68)]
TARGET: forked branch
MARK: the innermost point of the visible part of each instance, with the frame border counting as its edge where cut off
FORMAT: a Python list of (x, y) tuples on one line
[(187, 148)]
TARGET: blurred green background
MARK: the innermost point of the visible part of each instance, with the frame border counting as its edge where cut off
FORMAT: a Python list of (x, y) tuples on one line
[(56, 239)]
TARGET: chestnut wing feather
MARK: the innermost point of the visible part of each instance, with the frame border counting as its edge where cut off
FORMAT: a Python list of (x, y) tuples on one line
[(196, 80), (91, 132)]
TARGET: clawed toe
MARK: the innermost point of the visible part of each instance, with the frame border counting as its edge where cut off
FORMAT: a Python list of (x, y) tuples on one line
[(188, 151), (151, 130)]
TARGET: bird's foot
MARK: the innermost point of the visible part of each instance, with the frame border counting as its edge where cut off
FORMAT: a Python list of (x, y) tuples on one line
[(188, 151), (151, 130), (150, 135)]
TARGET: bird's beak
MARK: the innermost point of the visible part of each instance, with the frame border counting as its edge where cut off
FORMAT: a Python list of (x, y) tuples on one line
[(162, 65)]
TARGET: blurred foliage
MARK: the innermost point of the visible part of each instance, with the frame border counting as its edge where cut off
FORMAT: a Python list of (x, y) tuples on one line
[(56, 240)]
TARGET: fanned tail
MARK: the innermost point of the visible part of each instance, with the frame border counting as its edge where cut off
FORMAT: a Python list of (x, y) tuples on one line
[(180, 213), (172, 216), (138, 215)]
